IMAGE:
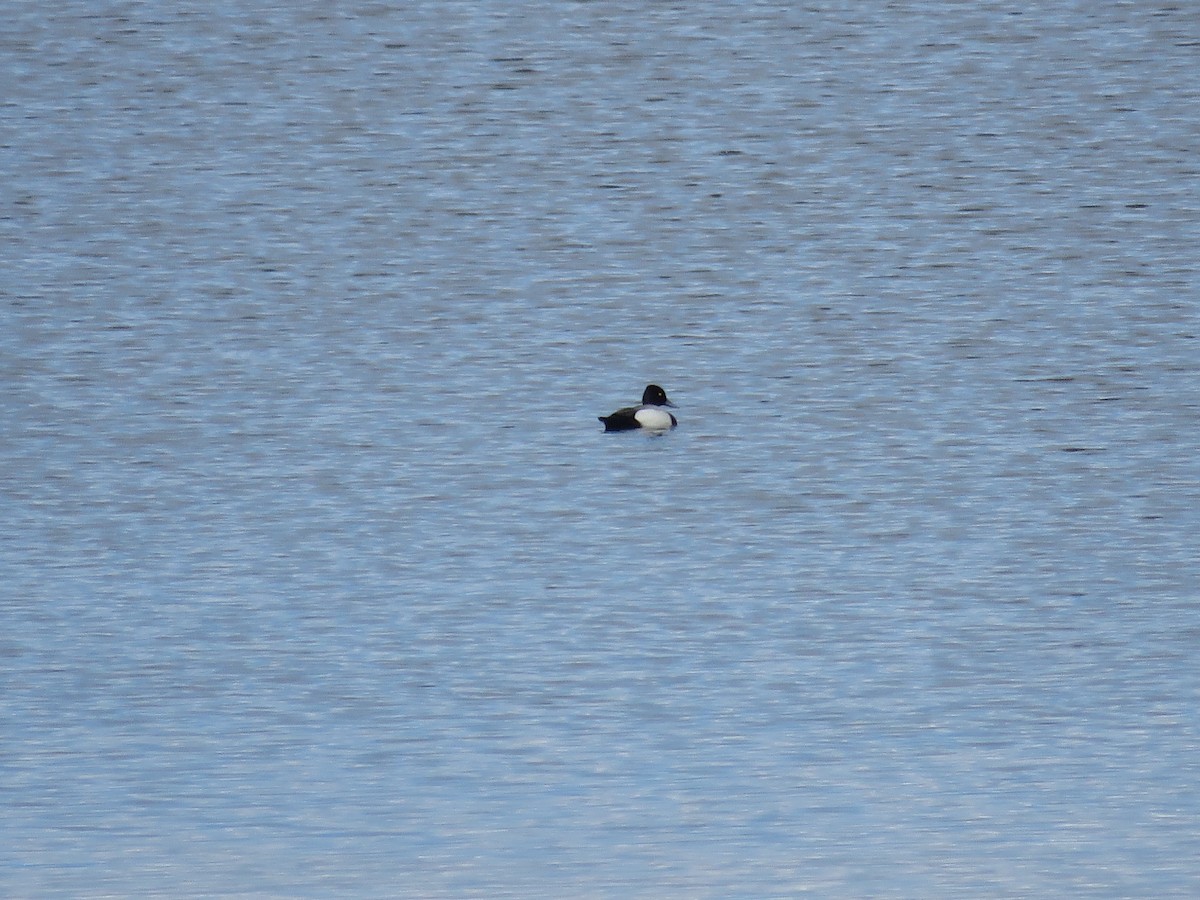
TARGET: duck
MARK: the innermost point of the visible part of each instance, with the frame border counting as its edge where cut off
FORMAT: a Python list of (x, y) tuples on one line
[(650, 415)]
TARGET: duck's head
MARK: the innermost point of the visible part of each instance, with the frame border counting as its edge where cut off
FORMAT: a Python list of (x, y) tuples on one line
[(656, 396)]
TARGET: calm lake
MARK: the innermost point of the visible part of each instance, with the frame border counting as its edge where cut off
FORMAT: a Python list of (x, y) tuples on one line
[(319, 576)]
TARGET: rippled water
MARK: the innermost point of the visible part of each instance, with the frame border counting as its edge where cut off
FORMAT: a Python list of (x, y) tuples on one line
[(321, 578)]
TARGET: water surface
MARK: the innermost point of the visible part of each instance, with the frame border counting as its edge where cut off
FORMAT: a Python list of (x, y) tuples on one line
[(321, 578)]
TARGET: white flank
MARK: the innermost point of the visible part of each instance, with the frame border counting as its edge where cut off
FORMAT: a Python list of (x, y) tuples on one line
[(656, 419)]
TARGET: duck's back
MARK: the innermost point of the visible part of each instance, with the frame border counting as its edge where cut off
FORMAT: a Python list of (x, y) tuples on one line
[(621, 420)]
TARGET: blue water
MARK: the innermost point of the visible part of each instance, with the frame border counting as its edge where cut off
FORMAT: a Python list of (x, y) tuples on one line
[(319, 577)]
